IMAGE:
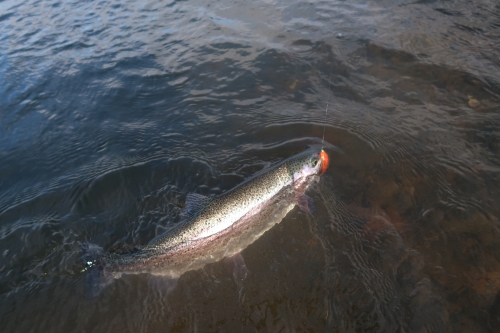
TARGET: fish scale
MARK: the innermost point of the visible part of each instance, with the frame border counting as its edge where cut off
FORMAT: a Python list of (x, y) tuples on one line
[(234, 204), (221, 226)]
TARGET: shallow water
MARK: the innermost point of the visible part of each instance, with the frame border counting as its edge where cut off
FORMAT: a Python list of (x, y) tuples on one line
[(111, 112)]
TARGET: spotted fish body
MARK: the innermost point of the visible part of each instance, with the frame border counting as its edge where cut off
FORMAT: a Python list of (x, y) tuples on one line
[(221, 226)]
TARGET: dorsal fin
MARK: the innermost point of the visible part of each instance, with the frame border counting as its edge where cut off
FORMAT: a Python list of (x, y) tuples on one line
[(194, 203)]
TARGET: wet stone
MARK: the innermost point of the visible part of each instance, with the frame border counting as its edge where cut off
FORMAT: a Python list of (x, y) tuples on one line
[(429, 312), (409, 270), (495, 312), (473, 103), (432, 218), (404, 202), (383, 192)]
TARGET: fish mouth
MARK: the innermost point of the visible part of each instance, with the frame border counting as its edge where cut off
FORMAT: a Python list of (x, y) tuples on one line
[(324, 161)]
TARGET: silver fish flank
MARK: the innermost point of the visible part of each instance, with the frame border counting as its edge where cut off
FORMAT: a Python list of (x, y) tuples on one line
[(218, 227)]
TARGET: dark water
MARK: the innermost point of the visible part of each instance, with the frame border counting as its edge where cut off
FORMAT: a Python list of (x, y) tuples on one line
[(112, 111)]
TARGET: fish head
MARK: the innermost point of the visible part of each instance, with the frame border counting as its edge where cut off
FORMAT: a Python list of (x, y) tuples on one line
[(318, 161), (305, 166)]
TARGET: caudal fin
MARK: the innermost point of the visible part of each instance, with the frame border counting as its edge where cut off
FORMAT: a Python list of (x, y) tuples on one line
[(96, 279)]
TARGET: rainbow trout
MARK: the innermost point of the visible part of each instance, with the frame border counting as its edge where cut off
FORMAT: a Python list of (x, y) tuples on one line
[(217, 227)]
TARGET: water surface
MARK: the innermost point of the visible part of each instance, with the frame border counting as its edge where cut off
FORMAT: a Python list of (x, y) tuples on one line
[(111, 112)]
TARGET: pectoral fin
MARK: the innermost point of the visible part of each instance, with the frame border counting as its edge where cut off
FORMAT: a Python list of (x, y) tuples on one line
[(306, 204), (236, 266)]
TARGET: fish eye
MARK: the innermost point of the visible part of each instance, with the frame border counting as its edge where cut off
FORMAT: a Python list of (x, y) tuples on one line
[(314, 162)]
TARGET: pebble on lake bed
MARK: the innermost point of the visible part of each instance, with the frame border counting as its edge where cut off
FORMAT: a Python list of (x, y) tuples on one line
[(293, 84), (473, 103)]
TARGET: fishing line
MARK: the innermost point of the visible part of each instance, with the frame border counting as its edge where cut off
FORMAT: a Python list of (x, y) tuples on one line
[(326, 112)]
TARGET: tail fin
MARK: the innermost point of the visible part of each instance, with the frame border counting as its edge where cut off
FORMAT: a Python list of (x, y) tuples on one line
[(96, 279)]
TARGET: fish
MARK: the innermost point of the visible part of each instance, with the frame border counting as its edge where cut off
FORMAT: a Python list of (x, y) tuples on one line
[(215, 227)]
